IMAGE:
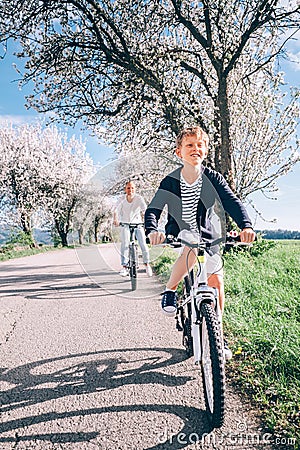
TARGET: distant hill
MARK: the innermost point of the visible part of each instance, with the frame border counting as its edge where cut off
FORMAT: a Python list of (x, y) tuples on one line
[(44, 236), (4, 235), (279, 234), (40, 236)]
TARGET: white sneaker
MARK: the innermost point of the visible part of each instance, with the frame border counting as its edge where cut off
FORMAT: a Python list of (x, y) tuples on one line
[(227, 351), (124, 272), (149, 270)]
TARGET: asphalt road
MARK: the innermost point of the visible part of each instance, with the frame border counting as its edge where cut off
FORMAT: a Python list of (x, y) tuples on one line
[(86, 364)]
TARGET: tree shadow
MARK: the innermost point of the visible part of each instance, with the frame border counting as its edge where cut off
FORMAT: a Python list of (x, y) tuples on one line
[(46, 286)]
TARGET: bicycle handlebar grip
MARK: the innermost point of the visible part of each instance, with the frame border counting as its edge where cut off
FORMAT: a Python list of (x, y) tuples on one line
[(230, 238)]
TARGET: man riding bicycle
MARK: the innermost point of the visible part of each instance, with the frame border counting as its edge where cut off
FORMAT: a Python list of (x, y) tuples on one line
[(130, 210)]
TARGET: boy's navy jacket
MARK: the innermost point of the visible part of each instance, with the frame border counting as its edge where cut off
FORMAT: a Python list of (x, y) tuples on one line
[(214, 191)]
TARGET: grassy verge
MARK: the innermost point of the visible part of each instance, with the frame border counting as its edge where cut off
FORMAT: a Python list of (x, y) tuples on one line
[(10, 252), (262, 324), (162, 260)]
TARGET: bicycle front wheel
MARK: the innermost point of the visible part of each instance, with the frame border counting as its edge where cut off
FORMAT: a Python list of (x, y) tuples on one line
[(133, 266), (212, 366)]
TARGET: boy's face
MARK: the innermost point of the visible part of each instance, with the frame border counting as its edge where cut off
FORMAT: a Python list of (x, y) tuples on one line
[(193, 150)]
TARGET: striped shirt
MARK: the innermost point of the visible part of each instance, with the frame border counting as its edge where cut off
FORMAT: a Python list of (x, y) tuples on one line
[(190, 195)]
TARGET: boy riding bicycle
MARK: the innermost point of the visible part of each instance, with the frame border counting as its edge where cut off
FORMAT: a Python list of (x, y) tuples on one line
[(189, 193)]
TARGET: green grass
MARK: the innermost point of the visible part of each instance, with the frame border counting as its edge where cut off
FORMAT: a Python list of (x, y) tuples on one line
[(262, 325), (162, 260), (11, 252)]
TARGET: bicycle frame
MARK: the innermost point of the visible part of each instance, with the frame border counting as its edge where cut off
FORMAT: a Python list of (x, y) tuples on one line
[(201, 321), (132, 227), (201, 292), (132, 233), (133, 260)]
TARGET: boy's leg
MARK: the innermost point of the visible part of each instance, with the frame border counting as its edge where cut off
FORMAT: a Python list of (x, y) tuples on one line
[(217, 281), (215, 276), (180, 268)]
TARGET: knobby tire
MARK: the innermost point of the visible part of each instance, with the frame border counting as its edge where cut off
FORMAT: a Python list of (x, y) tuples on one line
[(133, 266), (212, 366)]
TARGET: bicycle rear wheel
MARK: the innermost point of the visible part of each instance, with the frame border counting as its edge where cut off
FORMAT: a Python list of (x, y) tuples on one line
[(133, 266), (212, 366)]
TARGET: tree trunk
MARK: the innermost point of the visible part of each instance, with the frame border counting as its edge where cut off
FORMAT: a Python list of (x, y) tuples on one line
[(64, 238), (25, 220), (96, 227), (95, 234), (26, 223), (63, 234), (223, 152), (80, 235)]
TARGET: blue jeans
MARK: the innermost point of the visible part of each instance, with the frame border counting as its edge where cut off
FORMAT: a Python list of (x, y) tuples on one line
[(125, 240)]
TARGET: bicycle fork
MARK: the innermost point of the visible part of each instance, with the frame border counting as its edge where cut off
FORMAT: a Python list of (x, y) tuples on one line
[(203, 294)]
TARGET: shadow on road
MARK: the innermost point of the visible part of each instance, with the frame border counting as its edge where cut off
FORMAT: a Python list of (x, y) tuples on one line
[(48, 283), (93, 372)]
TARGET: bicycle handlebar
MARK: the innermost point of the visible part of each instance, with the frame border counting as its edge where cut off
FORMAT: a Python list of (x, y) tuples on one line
[(133, 225), (177, 242), (236, 240), (174, 242)]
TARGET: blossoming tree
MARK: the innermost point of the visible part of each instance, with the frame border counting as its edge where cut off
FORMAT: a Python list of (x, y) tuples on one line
[(41, 169), (144, 69)]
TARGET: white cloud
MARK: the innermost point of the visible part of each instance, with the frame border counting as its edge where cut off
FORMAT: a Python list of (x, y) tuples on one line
[(20, 119), (294, 60), (292, 4), (291, 37), (15, 119)]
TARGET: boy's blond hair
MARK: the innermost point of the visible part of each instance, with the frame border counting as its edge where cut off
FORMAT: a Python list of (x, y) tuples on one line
[(191, 131)]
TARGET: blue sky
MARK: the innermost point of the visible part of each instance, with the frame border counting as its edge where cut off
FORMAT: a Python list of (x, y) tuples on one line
[(286, 209)]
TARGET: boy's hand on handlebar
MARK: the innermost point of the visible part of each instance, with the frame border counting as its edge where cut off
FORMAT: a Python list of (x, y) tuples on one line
[(247, 235), (156, 237)]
